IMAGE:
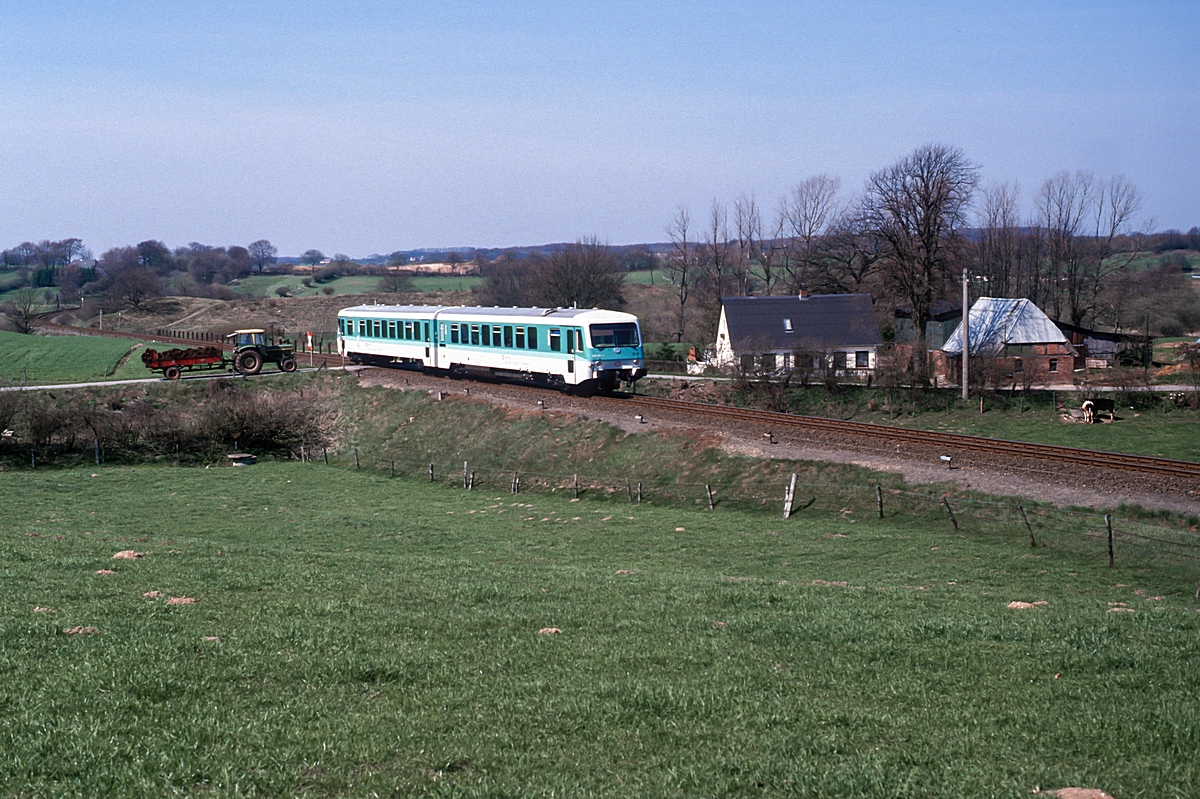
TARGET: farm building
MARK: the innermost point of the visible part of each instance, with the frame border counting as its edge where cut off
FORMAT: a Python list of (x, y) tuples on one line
[(1096, 349), (1015, 341), (944, 319), (821, 332)]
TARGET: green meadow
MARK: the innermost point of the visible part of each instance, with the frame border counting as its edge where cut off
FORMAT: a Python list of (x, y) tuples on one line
[(355, 635)]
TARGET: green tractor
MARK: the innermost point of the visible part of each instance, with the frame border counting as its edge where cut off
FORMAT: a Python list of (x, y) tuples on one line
[(253, 348)]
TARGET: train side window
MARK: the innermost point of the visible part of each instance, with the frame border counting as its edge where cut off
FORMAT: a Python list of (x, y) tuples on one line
[(555, 339), (520, 338), (570, 340), (341, 326), (426, 331), (496, 336), (485, 337), (531, 340), (474, 334), (508, 335), (579, 339), (362, 327), (375, 329), (392, 330), (453, 334)]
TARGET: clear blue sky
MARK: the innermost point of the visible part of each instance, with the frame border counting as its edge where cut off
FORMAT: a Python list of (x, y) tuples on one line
[(365, 127)]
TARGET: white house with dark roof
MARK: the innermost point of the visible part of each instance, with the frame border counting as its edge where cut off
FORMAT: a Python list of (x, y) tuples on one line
[(819, 332)]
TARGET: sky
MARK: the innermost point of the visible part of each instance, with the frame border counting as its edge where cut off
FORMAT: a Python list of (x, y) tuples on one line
[(365, 127)]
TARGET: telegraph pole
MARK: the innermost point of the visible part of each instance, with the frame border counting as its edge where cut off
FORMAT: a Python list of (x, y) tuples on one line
[(966, 336)]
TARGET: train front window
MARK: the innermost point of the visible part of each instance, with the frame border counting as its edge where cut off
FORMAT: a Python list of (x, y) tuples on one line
[(620, 334)]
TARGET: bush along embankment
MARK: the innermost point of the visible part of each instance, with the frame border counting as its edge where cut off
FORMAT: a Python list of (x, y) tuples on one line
[(186, 423)]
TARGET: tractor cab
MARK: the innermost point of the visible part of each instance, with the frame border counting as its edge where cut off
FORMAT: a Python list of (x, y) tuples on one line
[(253, 348), (248, 338)]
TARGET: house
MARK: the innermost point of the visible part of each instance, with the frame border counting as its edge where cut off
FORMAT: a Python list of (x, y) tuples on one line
[(1014, 341), (820, 332)]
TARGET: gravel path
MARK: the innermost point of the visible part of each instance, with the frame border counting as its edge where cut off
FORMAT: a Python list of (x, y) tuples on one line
[(1037, 482)]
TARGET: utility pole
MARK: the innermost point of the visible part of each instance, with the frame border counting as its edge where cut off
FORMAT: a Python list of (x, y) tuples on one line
[(966, 335)]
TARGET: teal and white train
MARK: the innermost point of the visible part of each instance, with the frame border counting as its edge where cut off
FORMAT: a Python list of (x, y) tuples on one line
[(566, 348)]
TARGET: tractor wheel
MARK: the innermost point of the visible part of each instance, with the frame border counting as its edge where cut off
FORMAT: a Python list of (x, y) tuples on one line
[(171, 373), (249, 362), (288, 365)]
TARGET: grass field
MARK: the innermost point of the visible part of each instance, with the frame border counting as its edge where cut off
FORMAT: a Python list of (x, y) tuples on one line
[(359, 636), (266, 285), (66, 359)]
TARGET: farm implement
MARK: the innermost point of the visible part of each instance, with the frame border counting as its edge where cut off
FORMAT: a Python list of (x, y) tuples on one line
[(251, 349)]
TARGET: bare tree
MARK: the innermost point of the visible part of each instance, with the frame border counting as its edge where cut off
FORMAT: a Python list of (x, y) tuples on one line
[(1063, 206), (22, 309), (262, 254), (753, 250), (915, 208), (312, 257), (395, 282), (811, 211), (681, 266), (999, 244), (586, 274)]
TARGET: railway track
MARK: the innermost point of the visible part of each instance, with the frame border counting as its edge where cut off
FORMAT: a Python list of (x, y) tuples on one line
[(951, 444)]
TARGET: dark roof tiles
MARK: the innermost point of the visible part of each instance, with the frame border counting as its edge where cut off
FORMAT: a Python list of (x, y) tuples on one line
[(818, 322)]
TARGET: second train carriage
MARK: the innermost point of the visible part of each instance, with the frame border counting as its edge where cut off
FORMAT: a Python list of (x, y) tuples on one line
[(561, 347)]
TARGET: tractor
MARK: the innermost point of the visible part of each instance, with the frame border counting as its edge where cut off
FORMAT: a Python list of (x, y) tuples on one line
[(253, 348)]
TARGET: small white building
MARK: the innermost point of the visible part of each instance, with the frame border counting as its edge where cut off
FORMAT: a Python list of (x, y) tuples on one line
[(819, 332)]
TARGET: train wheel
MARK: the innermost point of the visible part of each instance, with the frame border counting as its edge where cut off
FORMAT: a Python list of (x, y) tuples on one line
[(171, 373), (288, 365), (249, 362)]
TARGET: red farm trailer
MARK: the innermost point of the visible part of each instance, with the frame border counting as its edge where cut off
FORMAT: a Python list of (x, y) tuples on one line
[(173, 362)]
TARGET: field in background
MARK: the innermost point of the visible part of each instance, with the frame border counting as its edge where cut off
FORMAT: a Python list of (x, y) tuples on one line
[(266, 285), (67, 359), (354, 635)]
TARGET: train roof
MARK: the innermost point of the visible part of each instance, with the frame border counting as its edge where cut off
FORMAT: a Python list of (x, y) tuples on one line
[(583, 314)]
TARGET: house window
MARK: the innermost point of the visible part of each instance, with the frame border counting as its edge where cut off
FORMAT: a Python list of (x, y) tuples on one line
[(862, 359), (786, 360), (1054, 364), (787, 325), (1018, 365), (747, 363), (839, 360), (768, 361)]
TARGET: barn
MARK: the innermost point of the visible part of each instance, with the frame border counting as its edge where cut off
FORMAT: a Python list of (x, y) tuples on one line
[(1016, 342), (823, 333)]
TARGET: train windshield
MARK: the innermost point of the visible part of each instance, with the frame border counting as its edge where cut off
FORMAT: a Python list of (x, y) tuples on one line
[(620, 334)]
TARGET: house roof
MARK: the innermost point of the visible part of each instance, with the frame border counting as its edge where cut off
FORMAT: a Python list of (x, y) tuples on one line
[(817, 322), (940, 311), (997, 321)]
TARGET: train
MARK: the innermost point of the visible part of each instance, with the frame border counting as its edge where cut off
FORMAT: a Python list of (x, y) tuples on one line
[(570, 349)]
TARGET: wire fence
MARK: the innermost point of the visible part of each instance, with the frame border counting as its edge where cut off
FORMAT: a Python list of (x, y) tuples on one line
[(1090, 533)]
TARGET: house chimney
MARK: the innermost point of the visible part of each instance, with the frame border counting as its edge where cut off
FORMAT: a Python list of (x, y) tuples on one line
[(803, 295)]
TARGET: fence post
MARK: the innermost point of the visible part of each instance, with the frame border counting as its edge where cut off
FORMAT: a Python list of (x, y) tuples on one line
[(97, 451), (788, 496), (628, 490), (1028, 526), (464, 475), (356, 457), (953, 520), (575, 483), (393, 468), (879, 500), (325, 454), (708, 488), (431, 472), (1108, 527), (640, 497), (471, 482)]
